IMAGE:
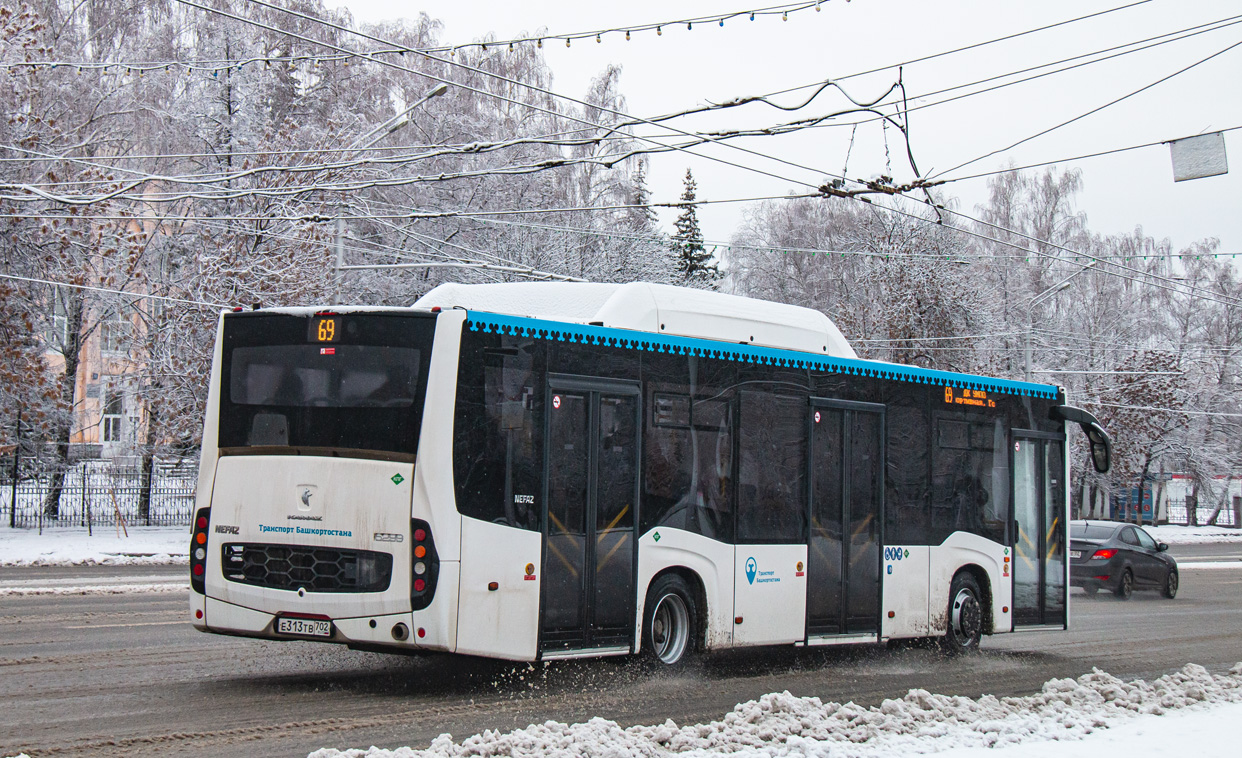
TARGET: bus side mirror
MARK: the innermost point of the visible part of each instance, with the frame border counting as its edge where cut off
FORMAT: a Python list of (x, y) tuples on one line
[(1101, 447)]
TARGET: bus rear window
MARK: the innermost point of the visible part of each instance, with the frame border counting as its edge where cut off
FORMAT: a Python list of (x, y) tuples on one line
[(345, 376), (286, 386)]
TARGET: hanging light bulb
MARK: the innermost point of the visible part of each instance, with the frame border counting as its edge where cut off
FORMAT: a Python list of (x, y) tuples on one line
[(722, 22), (817, 9), (752, 15), (598, 39), (510, 47), (484, 46), (539, 44), (567, 42), (627, 35), (689, 26), (785, 16), (659, 32)]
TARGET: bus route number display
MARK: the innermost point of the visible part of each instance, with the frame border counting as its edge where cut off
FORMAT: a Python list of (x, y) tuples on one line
[(324, 329), (977, 398)]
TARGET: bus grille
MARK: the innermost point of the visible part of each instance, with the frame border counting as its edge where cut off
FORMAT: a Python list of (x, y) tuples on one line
[(315, 569)]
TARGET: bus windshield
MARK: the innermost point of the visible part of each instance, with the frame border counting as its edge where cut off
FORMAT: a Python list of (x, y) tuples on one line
[(340, 382)]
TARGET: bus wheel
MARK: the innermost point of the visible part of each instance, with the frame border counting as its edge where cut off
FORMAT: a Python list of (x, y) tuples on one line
[(965, 616), (668, 621)]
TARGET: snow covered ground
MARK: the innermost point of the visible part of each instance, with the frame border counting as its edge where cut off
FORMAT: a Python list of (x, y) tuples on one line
[(1084, 718), (1193, 535), (108, 546), (169, 545)]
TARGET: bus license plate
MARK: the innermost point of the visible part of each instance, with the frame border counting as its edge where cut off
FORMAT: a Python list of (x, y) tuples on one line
[(1075, 554), (304, 627)]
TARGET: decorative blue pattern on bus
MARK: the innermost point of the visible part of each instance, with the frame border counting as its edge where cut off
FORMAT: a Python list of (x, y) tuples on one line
[(625, 339)]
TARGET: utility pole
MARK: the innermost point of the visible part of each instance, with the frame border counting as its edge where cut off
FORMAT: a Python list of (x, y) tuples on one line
[(17, 457)]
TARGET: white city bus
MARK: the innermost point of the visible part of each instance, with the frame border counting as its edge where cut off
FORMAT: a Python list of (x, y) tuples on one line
[(554, 470)]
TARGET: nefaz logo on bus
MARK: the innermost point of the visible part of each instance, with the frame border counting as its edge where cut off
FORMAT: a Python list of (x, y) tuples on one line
[(226, 529)]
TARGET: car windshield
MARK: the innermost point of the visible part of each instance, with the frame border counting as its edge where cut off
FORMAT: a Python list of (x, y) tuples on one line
[(1091, 531)]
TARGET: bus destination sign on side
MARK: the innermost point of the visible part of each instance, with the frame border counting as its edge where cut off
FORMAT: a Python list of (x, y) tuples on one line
[(977, 398)]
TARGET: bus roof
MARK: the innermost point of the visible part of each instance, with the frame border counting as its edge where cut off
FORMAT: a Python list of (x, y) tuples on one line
[(656, 308)]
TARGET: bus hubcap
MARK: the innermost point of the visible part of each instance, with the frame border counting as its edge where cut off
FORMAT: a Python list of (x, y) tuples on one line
[(967, 616), (670, 628)]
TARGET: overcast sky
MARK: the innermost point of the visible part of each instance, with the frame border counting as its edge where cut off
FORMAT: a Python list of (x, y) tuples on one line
[(709, 63)]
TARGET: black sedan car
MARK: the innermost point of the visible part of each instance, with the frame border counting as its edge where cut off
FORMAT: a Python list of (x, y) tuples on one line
[(1120, 558)]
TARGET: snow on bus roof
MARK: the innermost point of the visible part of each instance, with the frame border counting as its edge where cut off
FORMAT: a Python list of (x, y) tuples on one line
[(656, 308)]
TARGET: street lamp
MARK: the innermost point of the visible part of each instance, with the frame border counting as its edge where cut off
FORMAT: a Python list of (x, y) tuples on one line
[(362, 143), (396, 122), (1039, 298)]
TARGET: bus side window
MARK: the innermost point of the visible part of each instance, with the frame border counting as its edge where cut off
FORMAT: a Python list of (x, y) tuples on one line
[(688, 446), (497, 459), (771, 504), (970, 482)]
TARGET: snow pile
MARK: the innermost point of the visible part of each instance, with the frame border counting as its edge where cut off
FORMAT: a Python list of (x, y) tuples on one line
[(108, 546), (784, 725)]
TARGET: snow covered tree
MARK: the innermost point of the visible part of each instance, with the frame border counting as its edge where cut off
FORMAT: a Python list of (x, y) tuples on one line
[(692, 257)]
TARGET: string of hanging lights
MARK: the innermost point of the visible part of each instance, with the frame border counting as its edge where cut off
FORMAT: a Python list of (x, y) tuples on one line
[(215, 67)]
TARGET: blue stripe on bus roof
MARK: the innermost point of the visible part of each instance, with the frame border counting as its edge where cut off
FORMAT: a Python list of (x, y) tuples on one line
[(626, 339)]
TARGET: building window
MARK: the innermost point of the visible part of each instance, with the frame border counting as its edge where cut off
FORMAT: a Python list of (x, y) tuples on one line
[(113, 404), (114, 331), (58, 331)]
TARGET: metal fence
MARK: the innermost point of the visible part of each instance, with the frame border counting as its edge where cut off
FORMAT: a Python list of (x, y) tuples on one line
[(1180, 515), (100, 493)]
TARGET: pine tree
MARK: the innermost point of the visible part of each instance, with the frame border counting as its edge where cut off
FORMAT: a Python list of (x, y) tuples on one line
[(692, 258)]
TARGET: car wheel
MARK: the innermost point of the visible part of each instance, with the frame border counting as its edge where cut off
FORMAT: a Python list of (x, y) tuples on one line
[(1125, 587), (1091, 589), (1170, 584), (668, 621), (965, 616)]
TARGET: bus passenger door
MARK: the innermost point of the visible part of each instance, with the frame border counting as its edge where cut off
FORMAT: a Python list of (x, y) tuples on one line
[(1038, 531), (592, 494), (843, 554)]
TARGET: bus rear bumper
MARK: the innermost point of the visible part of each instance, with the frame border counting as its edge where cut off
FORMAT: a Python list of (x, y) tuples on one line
[(395, 631)]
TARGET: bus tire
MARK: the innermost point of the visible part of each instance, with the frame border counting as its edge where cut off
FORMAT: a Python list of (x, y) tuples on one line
[(965, 619), (668, 621)]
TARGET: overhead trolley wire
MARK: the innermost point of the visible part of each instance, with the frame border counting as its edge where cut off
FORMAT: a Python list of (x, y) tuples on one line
[(1090, 112)]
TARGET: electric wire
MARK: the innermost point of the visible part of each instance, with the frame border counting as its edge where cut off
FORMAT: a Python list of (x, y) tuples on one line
[(538, 89), (1090, 112), (130, 295)]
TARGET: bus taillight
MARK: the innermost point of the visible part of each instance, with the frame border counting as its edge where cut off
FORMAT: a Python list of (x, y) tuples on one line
[(426, 565), (198, 551)]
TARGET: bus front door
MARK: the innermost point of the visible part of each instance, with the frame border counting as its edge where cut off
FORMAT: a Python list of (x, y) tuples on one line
[(1038, 531), (591, 476), (847, 488)]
